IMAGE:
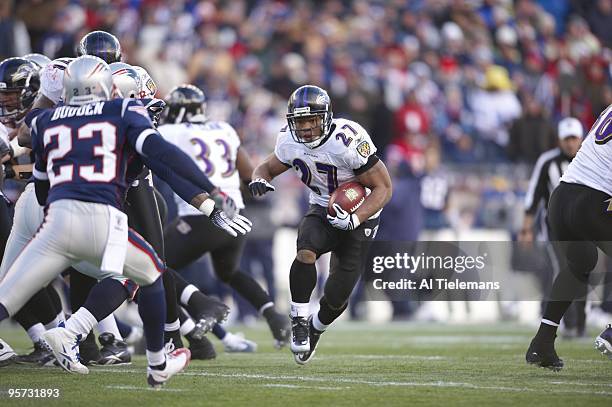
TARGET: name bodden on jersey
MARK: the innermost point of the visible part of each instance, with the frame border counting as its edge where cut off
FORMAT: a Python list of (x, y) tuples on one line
[(322, 169), (591, 166), (63, 112)]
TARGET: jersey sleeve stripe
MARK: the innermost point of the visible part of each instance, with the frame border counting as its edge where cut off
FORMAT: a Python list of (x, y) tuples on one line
[(124, 106), (141, 139), (41, 175), (372, 160)]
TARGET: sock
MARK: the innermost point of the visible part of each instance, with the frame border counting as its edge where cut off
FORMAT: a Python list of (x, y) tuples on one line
[(80, 285), (152, 309), (109, 325), (59, 318), (25, 317), (317, 324), (105, 297), (327, 314), (55, 300), (547, 330), (249, 289), (268, 306), (302, 280), (173, 326), (186, 294), (187, 326), (124, 329), (81, 322), (300, 309), (35, 332), (219, 331), (156, 359), (172, 306)]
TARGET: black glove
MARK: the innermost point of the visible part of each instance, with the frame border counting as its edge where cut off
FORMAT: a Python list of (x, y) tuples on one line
[(260, 186)]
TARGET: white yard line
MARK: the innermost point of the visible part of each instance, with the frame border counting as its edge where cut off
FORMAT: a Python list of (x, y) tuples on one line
[(442, 384), (138, 388), (297, 386)]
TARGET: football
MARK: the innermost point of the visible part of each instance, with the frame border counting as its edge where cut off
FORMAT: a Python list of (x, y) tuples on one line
[(349, 196)]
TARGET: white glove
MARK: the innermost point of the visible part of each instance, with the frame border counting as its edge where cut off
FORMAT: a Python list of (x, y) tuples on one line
[(238, 225), (343, 220)]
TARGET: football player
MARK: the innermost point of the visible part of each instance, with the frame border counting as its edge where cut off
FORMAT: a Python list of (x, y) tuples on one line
[(215, 147), (83, 181), (324, 152), (579, 215), (20, 85)]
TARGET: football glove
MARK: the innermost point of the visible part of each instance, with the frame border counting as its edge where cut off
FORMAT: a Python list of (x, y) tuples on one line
[(238, 225), (260, 186), (224, 202), (343, 220)]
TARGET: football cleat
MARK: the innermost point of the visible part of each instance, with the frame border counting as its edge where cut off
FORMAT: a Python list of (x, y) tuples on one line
[(315, 335), (237, 343), (7, 354), (201, 348), (65, 348), (603, 342), (280, 327), (89, 353), (214, 311), (176, 361), (113, 352), (173, 337), (543, 354), (39, 355), (300, 340)]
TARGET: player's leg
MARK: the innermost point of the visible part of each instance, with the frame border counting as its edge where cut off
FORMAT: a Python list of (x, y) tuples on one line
[(200, 347), (206, 311), (144, 266), (225, 261), (577, 217), (80, 288), (346, 268), (315, 237), (144, 218)]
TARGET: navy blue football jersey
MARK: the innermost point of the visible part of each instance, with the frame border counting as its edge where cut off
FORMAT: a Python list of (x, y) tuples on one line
[(84, 150)]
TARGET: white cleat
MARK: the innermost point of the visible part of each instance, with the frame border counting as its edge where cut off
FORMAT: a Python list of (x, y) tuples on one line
[(603, 342), (7, 354), (65, 348), (176, 362), (300, 335), (236, 343)]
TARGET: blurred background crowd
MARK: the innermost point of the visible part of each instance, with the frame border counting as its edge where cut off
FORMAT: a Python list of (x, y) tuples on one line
[(459, 96)]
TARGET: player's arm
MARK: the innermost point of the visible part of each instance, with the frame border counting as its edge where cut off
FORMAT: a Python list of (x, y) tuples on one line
[(378, 180), (265, 172), (535, 194), (39, 171)]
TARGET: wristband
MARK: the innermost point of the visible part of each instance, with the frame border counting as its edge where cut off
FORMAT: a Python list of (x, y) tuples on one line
[(207, 207)]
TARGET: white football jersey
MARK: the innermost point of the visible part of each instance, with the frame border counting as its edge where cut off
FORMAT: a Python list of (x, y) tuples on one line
[(52, 79), (323, 168), (213, 146), (591, 166)]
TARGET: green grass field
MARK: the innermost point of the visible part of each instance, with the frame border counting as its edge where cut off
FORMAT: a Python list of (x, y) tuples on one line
[(356, 364)]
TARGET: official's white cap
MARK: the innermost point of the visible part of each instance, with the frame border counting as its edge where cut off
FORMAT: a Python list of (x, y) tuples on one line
[(570, 126)]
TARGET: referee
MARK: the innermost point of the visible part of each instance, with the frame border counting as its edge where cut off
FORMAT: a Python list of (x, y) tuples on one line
[(547, 173)]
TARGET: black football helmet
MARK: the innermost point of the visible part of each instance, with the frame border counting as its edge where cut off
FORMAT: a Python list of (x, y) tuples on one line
[(305, 102), (183, 103), (19, 84), (102, 45)]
